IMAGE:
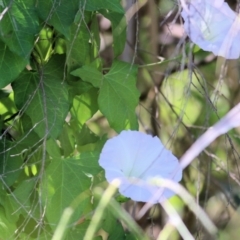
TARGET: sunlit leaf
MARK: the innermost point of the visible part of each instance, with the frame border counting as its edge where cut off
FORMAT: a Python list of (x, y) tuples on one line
[(7, 105), (19, 26), (118, 95), (84, 106)]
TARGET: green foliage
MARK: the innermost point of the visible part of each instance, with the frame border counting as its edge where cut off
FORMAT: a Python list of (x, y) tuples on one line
[(112, 226), (60, 16), (66, 173), (118, 96), (7, 227), (50, 64), (19, 26), (7, 59), (62, 96), (46, 97), (119, 26)]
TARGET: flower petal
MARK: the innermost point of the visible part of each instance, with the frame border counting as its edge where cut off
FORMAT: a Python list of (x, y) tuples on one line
[(143, 192), (135, 158), (213, 26)]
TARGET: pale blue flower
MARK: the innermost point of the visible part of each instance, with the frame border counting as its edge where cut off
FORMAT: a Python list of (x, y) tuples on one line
[(213, 26), (137, 160)]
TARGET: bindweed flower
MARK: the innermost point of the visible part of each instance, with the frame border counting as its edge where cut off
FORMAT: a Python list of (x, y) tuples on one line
[(138, 160), (213, 26)]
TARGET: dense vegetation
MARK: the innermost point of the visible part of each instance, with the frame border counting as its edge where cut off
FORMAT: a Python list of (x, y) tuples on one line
[(70, 80)]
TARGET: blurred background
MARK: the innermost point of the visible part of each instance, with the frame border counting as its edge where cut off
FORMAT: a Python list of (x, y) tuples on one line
[(184, 91)]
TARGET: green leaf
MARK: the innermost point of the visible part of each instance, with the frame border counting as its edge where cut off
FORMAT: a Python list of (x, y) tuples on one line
[(119, 27), (7, 106), (89, 74), (11, 162), (44, 96), (64, 180), (66, 139), (21, 198), (86, 136), (43, 236), (112, 226), (60, 46), (43, 48), (89, 162), (19, 26), (78, 47), (112, 10), (11, 65), (118, 96), (94, 28), (78, 232), (59, 14), (121, 199), (7, 227), (53, 148), (78, 87), (29, 136), (9, 208), (84, 106)]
